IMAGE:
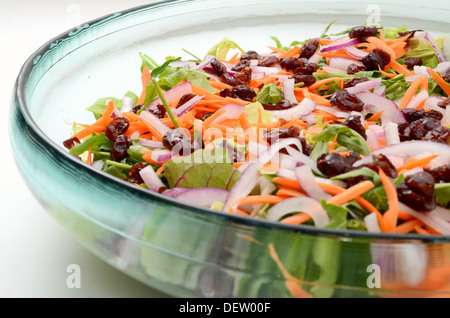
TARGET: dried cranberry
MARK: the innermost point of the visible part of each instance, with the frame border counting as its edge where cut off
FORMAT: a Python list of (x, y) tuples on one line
[(446, 77), (134, 175), (291, 63), (440, 174), (116, 127), (444, 103), (270, 61), (412, 114), (159, 111), (240, 78), (343, 100), (419, 128), (355, 68), (410, 62), (284, 104), (354, 122), (226, 92), (417, 191), (185, 98), (173, 137), (306, 148), (377, 58), (309, 48), (218, 68), (333, 164), (69, 143), (362, 32), (410, 33), (434, 114), (439, 134), (306, 69), (120, 147), (240, 66), (251, 55), (137, 108), (244, 92), (382, 162), (354, 81), (274, 135), (185, 147), (307, 80)]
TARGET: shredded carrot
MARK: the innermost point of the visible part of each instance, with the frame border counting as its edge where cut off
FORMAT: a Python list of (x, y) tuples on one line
[(420, 230), (407, 226), (320, 83), (375, 117), (290, 192), (288, 183), (396, 66), (390, 217), (297, 219), (413, 163), (440, 81), (388, 75), (99, 125), (253, 199), (411, 92), (89, 156), (145, 78), (351, 193), (382, 45)]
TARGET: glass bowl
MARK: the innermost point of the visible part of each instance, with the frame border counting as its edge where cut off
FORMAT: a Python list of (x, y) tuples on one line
[(182, 249)]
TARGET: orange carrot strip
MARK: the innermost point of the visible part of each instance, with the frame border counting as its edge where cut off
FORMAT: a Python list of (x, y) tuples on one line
[(133, 117), (288, 183), (89, 156), (420, 230), (254, 199), (382, 45), (292, 52), (296, 219), (277, 50), (160, 170), (407, 227), (320, 83), (375, 117), (413, 163), (411, 92), (146, 77), (390, 217), (351, 193), (101, 123), (211, 118), (440, 81), (404, 217), (218, 84), (396, 66), (289, 192), (388, 75)]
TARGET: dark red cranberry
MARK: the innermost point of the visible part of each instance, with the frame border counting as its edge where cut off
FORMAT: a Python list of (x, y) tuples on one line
[(439, 134), (333, 164), (307, 69), (419, 128), (362, 32), (345, 101), (240, 78), (309, 48), (446, 77), (69, 143), (355, 68), (410, 33), (137, 108), (134, 175), (292, 63), (185, 98), (226, 92), (307, 80), (377, 58), (218, 68), (382, 162), (284, 104), (417, 192), (159, 111), (274, 135), (186, 147), (120, 147), (444, 103), (306, 148), (244, 92), (354, 81), (270, 61), (354, 122), (412, 114), (251, 55), (116, 127), (236, 156), (240, 66), (173, 137), (410, 62), (440, 174)]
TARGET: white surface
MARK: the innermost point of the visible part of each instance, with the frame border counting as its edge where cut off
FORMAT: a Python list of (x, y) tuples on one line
[(35, 250)]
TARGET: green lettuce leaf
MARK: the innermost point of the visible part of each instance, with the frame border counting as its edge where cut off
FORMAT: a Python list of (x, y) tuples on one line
[(100, 106), (421, 49), (442, 193), (269, 94), (220, 50), (172, 76), (252, 110), (148, 61), (95, 141), (338, 215), (393, 33), (202, 169), (345, 136), (372, 175)]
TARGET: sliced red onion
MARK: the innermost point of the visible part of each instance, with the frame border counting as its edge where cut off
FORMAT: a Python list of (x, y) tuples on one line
[(287, 162), (174, 192), (442, 68), (232, 111), (364, 86), (333, 111), (299, 204), (307, 182), (420, 70), (210, 69), (182, 109), (355, 52), (286, 173), (338, 183), (432, 42), (343, 63), (412, 149), (412, 78), (134, 135), (418, 99), (151, 143), (333, 70), (161, 155), (151, 179), (446, 119), (396, 161), (127, 104), (155, 122), (371, 222), (376, 103), (310, 119), (206, 61), (256, 148), (267, 70), (288, 90), (174, 93), (243, 186), (391, 134), (303, 159), (203, 196), (341, 43), (380, 90), (315, 58), (433, 218), (305, 107), (266, 187), (446, 48), (372, 139), (274, 149), (432, 103)]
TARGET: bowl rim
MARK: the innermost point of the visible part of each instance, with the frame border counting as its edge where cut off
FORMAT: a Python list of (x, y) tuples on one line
[(42, 138)]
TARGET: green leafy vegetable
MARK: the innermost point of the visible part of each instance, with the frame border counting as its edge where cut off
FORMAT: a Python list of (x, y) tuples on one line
[(421, 48), (100, 106), (372, 175), (269, 94), (161, 69), (220, 50), (345, 136), (148, 61), (393, 33), (94, 141), (338, 215), (442, 193)]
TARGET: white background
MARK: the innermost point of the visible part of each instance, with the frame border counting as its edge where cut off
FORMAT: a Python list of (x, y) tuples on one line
[(34, 250)]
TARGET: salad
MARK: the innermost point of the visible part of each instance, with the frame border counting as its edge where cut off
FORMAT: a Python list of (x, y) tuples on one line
[(345, 131)]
